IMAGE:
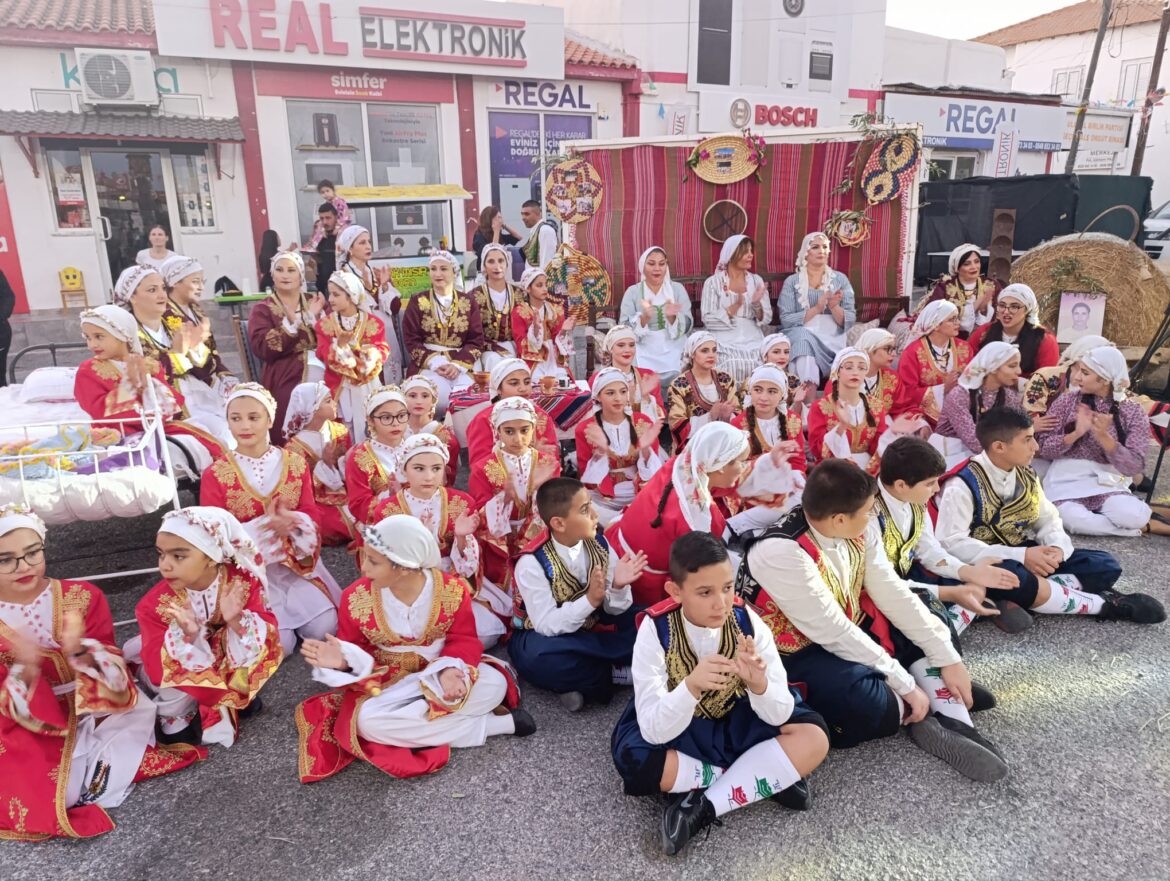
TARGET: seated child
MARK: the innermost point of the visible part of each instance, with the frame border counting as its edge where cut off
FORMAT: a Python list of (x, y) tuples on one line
[(713, 719), (990, 380), (621, 344), (777, 349), (270, 492), (573, 631), (510, 378), (543, 335), (881, 383), (932, 361), (312, 430), (993, 508), (870, 654), (208, 639), (700, 393), (617, 450), (410, 677), (74, 735), (371, 471), (422, 399)]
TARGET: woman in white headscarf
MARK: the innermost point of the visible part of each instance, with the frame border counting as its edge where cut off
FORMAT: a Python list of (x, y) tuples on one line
[(496, 297), (442, 331), (508, 379), (817, 309), (737, 308), (1101, 438), (700, 393), (311, 429), (679, 500), (658, 310), (965, 286), (990, 380), (1017, 320), (621, 345), (932, 362)]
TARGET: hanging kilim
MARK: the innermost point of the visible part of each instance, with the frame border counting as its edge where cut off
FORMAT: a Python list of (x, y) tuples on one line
[(573, 190), (577, 281), (891, 169)]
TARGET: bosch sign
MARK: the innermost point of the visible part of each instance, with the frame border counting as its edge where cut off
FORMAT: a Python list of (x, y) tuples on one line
[(783, 115)]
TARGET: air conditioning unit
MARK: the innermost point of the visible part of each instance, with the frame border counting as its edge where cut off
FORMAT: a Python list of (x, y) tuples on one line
[(124, 79)]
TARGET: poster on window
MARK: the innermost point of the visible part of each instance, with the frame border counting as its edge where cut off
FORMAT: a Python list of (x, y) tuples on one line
[(405, 149), (67, 181)]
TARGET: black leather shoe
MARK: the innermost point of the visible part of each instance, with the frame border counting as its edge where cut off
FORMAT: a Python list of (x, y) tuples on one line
[(1135, 607), (1012, 618), (797, 797), (981, 698), (253, 709), (683, 817), (525, 724), (966, 755), (968, 731), (191, 735)]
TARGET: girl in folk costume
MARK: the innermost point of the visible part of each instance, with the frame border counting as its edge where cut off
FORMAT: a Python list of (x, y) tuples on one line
[(371, 472), (118, 385), (504, 486), (351, 343), (422, 399), (496, 297), (544, 336), (311, 429), (736, 308), (1100, 440), (453, 519), (990, 380), (659, 312), (355, 248), (1017, 320), (965, 286), (281, 333), (510, 378), (881, 384), (410, 677), (700, 394), (776, 349), (679, 500), (816, 310), (209, 640), (617, 450), (75, 735), (270, 491), (645, 386), (1046, 384), (932, 362), (442, 331), (198, 369)]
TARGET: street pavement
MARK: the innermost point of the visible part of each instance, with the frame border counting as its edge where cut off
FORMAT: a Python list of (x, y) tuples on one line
[(1083, 717)]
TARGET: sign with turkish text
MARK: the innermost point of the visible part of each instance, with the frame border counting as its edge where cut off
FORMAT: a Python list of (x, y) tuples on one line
[(541, 95), (974, 124), (347, 84), (1106, 131)]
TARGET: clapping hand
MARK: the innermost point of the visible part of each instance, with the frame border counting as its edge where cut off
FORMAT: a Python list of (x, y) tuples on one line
[(26, 654), (749, 666), (1085, 418), (327, 654), (647, 310), (232, 602), (737, 301), (952, 379), (650, 436), (136, 372), (331, 454), (710, 674), (672, 309), (72, 630), (758, 294), (382, 276), (316, 307), (569, 324), (281, 520), (842, 411), (543, 473), (1041, 424), (596, 589), (1102, 422), (182, 615), (629, 568), (596, 438), (466, 524)]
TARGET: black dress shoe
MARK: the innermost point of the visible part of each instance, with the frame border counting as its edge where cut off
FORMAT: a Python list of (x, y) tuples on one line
[(1012, 618), (253, 709), (981, 698), (191, 735), (797, 797), (691, 812), (969, 732), (1135, 607), (525, 724), (966, 755), (1143, 486)]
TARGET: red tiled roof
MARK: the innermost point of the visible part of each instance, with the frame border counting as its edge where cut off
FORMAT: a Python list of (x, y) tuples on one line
[(1076, 19), (582, 50), (84, 16)]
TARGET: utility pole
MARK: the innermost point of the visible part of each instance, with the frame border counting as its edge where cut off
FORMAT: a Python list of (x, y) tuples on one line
[(1139, 151), (1106, 11)]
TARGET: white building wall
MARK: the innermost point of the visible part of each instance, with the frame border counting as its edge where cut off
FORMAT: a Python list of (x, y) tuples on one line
[(911, 57)]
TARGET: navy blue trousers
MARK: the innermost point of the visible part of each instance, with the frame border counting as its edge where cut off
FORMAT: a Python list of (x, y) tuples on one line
[(582, 661)]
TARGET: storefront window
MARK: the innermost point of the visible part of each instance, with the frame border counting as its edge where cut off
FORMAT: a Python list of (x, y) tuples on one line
[(522, 145), (328, 142), (404, 149), (193, 190), (67, 188)]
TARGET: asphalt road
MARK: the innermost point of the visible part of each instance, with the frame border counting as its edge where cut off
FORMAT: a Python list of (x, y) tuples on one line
[(1083, 716)]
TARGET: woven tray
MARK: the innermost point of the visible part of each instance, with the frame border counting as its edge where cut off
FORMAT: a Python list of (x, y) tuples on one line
[(573, 191), (728, 160), (578, 281)]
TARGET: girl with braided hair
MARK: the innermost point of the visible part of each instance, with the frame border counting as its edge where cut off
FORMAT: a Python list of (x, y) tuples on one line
[(990, 380)]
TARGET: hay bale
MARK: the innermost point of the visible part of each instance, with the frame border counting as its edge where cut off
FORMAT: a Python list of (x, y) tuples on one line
[(1136, 292)]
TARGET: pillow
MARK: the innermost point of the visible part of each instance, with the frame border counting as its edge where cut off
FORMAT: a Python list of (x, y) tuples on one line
[(857, 330), (48, 384)]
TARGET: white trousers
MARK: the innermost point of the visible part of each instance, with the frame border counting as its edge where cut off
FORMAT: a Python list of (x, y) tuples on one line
[(1120, 514)]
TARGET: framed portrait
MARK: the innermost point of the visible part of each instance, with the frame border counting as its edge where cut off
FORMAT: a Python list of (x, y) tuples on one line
[(1080, 314)]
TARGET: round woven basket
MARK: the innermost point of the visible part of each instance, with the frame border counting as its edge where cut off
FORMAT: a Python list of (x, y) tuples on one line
[(1136, 291), (573, 190), (727, 162), (578, 281)]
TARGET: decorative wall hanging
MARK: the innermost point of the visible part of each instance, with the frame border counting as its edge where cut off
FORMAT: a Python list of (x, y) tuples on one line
[(724, 159), (724, 219), (573, 190), (849, 228), (578, 281), (891, 168)]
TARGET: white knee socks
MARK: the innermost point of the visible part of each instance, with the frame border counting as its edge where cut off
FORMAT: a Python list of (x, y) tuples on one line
[(1068, 599), (694, 774), (941, 699), (761, 772), (500, 724), (960, 618)]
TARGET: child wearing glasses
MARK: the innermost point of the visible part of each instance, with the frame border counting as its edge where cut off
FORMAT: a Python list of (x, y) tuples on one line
[(1017, 320), (371, 474)]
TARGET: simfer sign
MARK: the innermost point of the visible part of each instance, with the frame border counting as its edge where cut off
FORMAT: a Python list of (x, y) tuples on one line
[(453, 36)]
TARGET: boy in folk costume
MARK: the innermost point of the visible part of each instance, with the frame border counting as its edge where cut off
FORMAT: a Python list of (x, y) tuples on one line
[(351, 343), (871, 655), (422, 401), (75, 735), (713, 720), (644, 385), (371, 471), (410, 677), (311, 429), (993, 507), (510, 378), (932, 361), (700, 393), (573, 631), (543, 335), (209, 640), (504, 487), (270, 491), (617, 450), (496, 297), (453, 519)]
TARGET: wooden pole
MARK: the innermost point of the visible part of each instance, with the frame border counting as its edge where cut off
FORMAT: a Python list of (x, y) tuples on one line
[(1139, 151), (1106, 11)]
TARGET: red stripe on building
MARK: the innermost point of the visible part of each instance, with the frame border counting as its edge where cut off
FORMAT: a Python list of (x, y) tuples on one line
[(253, 161)]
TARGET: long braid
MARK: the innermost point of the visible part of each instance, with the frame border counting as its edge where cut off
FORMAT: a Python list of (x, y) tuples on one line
[(975, 394), (749, 413), (1122, 434), (657, 521), (869, 420)]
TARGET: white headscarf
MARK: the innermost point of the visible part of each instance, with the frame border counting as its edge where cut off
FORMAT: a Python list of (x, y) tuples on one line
[(1108, 363), (302, 404), (487, 249), (531, 274), (845, 354), (616, 333), (512, 409), (605, 376), (177, 267), (404, 541), (667, 285), (957, 255), (770, 373), (712, 447), (256, 392), (128, 282), (437, 255), (416, 445), (219, 535), (117, 322), (14, 516), (346, 238), (802, 267), (503, 370), (988, 360), (932, 316), (420, 381), (384, 395), (770, 342), (352, 285), (295, 258), (1080, 346), (1021, 293), (875, 338), (694, 341)]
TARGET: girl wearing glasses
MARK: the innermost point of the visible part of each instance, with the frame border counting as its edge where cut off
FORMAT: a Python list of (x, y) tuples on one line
[(1017, 320), (73, 733), (372, 469), (270, 491), (881, 383)]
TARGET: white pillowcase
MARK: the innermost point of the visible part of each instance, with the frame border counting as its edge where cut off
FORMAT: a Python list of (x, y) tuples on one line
[(48, 384)]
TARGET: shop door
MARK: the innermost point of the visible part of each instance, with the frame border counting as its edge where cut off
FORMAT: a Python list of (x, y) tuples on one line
[(132, 191)]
